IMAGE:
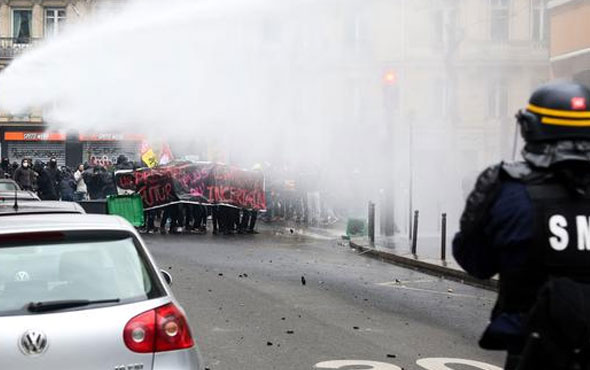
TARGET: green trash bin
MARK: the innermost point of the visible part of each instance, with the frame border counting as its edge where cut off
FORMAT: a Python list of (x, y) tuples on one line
[(130, 207), (356, 227)]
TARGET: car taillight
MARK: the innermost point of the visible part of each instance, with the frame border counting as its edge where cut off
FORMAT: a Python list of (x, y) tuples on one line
[(161, 329)]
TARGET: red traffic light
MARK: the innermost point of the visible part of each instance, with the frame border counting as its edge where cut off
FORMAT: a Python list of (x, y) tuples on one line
[(390, 77)]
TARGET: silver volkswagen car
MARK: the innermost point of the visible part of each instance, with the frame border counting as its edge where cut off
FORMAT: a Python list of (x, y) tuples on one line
[(82, 292)]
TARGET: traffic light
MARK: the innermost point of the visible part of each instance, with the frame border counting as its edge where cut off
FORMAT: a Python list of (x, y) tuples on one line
[(390, 78), (390, 91)]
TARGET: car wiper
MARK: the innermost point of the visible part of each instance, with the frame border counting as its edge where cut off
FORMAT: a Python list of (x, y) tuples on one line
[(62, 305)]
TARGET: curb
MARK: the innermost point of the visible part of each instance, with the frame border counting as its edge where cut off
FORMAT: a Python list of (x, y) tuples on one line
[(425, 267)]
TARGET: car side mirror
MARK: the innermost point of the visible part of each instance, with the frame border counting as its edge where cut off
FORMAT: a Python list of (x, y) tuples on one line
[(166, 276)]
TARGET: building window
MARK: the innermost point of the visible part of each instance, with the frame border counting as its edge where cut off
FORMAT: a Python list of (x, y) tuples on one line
[(54, 21), (497, 100), (539, 21), (445, 27), (21, 25), (357, 33), (499, 19)]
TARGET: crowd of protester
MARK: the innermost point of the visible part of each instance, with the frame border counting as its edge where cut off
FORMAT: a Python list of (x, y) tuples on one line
[(193, 218), (52, 182), (95, 182)]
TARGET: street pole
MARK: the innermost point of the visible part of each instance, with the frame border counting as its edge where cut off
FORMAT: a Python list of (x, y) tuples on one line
[(371, 222), (411, 176)]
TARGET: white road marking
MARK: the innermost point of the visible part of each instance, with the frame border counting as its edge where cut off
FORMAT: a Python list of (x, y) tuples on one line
[(339, 364), (426, 363), (441, 364), (430, 291)]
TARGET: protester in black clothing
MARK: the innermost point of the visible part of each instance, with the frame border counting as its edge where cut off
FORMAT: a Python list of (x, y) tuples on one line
[(252, 224), (5, 167), (45, 186), (24, 176), (200, 215), (186, 216), (55, 178), (108, 183), (67, 185), (150, 220), (245, 221), (248, 221), (223, 218), (231, 219), (93, 183), (216, 220), (171, 212), (123, 163)]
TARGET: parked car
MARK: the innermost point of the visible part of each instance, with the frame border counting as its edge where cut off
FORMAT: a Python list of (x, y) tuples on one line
[(82, 292), (7, 196), (8, 185), (9, 208)]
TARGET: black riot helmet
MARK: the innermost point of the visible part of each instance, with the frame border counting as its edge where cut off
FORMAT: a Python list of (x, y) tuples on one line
[(557, 111)]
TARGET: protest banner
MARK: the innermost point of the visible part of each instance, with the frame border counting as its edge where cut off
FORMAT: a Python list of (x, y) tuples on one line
[(204, 183)]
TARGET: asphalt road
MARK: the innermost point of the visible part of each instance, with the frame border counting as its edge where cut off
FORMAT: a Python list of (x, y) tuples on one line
[(249, 308)]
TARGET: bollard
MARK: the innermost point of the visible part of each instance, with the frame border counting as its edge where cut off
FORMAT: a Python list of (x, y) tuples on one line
[(443, 238), (371, 222), (415, 233)]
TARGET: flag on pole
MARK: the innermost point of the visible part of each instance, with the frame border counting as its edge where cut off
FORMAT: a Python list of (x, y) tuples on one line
[(166, 154)]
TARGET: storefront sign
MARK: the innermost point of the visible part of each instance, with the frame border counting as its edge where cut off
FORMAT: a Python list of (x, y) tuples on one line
[(111, 137), (34, 136)]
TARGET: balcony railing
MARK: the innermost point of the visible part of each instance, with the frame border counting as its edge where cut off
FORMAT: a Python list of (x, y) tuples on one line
[(11, 47)]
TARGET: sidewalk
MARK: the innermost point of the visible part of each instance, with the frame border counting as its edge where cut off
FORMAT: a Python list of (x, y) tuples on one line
[(398, 252)]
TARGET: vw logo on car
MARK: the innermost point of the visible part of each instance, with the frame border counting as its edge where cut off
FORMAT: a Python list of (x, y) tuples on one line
[(33, 343)]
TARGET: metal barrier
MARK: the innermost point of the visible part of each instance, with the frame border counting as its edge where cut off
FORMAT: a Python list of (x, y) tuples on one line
[(371, 222), (415, 234), (443, 238)]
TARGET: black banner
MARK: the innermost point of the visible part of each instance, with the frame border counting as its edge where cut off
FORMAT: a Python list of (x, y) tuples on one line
[(195, 182)]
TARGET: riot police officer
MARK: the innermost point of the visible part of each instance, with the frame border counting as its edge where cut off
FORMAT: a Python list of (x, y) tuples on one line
[(529, 222)]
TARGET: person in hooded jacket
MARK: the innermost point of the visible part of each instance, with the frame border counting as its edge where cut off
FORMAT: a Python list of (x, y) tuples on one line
[(23, 175), (67, 185), (108, 183), (94, 182), (123, 163), (45, 186), (55, 177)]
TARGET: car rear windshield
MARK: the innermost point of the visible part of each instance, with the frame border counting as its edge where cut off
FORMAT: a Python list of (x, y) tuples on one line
[(84, 270)]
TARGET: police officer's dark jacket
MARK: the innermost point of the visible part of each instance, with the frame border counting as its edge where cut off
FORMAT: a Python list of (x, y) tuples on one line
[(526, 223)]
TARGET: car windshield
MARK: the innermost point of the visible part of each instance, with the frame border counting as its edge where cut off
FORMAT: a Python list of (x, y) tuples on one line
[(93, 271), (7, 186)]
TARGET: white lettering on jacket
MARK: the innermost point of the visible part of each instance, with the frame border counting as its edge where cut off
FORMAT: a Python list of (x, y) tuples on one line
[(583, 226), (560, 238)]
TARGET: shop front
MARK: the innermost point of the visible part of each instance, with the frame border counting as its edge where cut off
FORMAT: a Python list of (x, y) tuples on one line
[(104, 149), (35, 145)]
